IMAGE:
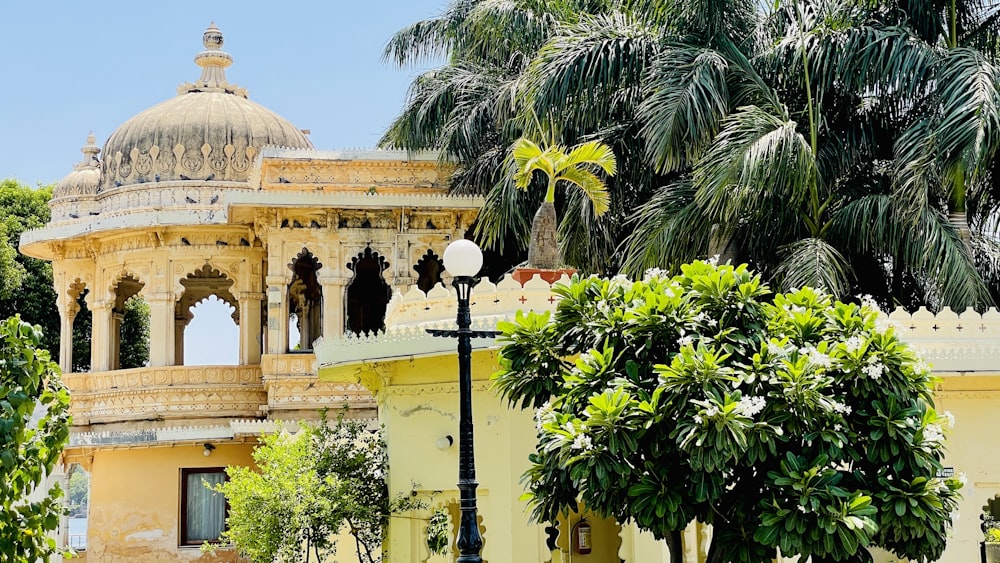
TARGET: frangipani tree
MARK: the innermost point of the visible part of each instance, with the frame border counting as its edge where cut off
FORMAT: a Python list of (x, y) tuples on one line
[(574, 167), (786, 421)]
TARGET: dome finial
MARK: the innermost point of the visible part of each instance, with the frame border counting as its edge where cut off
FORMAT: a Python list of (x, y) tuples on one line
[(213, 62), (90, 151)]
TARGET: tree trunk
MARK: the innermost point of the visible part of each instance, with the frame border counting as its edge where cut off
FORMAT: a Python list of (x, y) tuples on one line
[(960, 222), (543, 252), (675, 546)]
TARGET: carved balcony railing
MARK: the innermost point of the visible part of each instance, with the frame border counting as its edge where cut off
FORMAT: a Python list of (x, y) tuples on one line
[(293, 385), (174, 392)]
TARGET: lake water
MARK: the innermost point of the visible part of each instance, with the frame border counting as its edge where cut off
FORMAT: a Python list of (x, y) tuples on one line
[(78, 533)]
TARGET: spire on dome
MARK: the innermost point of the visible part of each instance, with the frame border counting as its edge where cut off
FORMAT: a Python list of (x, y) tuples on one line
[(213, 62), (90, 152)]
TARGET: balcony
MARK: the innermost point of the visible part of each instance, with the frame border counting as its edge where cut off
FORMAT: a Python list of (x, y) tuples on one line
[(162, 393)]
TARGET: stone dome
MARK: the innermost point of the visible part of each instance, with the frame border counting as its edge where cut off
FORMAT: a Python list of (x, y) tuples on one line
[(209, 132), (86, 174)]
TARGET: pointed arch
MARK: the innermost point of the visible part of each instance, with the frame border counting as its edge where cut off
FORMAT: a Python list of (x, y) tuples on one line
[(429, 269), (368, 293), (129, 323), (200, 286), (305, 300)]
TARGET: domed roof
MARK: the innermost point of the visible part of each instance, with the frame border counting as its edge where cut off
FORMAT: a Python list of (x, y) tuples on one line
[(209, 132), (86, 174)]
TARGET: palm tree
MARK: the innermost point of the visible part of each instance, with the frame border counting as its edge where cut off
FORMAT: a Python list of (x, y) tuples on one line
[(558, 165)]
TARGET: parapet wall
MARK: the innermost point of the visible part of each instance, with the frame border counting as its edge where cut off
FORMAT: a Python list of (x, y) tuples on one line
[(950, 342)]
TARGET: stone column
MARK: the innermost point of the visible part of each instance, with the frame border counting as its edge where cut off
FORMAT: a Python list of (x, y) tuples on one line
[(162, 329), (100, 336), (277, 315), (180, 325), (115, 335), (67, 314), (250, 329), (334, 293)]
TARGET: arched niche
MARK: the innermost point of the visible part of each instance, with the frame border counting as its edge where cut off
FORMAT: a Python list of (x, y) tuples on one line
[(429, 269), (368, 293), (305, 301), (199, 286), (129, 331), (82, 328)]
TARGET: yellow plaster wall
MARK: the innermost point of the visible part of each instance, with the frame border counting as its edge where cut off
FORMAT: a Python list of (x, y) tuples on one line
[(974, 400), (135, 502), (419, 406)]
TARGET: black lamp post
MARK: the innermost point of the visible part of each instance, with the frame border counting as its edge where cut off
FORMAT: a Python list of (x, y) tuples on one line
[(463, 260)]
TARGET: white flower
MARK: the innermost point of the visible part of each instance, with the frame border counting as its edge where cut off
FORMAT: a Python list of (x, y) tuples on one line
[(544, 415), (963, 478), (685, 341), (712, 411), (816, 357), (654, 273), (582, 442), (837, 427), (839, 407), (776, 349), (750, 406), (869, 301), (714, 260), (950, 418), (874, 369), (698, 419), (854, 343), (622, 281), (933, 435), (802, 509)]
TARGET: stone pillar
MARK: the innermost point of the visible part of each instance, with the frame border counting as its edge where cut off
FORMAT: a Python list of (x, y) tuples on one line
[(250, 330), (100, 336), (67, 314), (180, 325), (277, 316), (162, 329), (115, 335), (334, 293)]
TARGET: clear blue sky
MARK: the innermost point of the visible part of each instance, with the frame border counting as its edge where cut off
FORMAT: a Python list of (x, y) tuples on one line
[(71, 67)]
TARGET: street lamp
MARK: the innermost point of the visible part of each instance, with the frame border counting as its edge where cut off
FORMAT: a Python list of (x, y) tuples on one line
[(463, 260)]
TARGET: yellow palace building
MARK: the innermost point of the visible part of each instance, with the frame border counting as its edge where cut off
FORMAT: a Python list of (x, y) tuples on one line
[(209, 194)]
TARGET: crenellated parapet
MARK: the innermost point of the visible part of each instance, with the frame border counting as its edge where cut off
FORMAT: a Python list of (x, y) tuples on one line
[(411, 313), (953, 342)]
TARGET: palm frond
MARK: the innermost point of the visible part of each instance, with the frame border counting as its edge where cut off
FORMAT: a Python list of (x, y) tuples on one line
[(667, 231), (814, 263), (428, 40), (969, 128), (580, 72), (590, 185), (755, 158), (594, 153), (686, 98)]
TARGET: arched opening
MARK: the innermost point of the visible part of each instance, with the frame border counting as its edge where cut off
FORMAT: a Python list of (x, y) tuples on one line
[(207, 320), (429, 268), (83, 322), (77, 505), (82, 334), (129, 325), (368, 293), (212, 336), (305, 302), (134, 334)]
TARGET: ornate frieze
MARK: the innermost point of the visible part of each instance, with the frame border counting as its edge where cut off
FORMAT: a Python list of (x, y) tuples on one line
[(166, 392)]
